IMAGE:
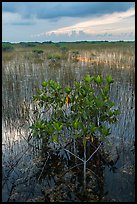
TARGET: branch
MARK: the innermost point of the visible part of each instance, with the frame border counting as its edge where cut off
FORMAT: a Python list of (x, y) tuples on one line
[(43, 166), (94, 152), (74, 155)]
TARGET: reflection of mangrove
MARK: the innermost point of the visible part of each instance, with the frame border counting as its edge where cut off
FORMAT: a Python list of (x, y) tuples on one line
[(65, 181)]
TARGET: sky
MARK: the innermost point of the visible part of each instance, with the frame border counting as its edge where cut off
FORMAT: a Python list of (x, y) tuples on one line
[(67, 21)]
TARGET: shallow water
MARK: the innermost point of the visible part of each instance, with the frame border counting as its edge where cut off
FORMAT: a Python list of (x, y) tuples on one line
[(20, 77)]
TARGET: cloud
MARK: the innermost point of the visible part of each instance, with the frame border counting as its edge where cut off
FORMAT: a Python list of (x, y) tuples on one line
[(111, 22), (67, 21), (23, 23), (55, 10), (89, 37), (9, 18)]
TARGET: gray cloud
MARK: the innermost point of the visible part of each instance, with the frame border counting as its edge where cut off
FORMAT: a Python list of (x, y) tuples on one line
[(55, 10), (23, 23)]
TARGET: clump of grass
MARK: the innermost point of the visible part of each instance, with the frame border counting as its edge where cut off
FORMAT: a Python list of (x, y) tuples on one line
[(38, 51), (75, 52), (93, 54), (54, 57), (64, 49)]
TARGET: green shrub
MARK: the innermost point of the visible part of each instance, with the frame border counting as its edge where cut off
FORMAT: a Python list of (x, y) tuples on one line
[(80, 114), (7, 47)]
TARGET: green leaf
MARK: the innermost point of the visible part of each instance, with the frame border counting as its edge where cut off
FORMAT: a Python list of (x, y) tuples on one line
[(98, 79), (76, 124), (110, 113), (44, 83), (38, 124), (67, 90), (109, 79), (105, 91), (52, 84), (58, 87), (55, 138), (85, 130), (87, 78), (85, 115), (93, 128), (83, 92), (99, 102), (116, 112), (77, 85), (36, 97), (42, 126), (43, 97), (49, 128), (38, 91), (110, 104), (60, 127), (57, 126), (105, 131)]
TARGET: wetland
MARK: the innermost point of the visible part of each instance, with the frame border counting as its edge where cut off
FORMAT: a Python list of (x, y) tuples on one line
[(30, 174)]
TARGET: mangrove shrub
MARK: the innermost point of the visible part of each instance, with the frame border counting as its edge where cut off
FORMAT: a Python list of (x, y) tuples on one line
[(80, 114)]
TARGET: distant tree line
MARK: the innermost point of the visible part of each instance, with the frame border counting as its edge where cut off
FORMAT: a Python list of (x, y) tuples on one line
[(8, 46)]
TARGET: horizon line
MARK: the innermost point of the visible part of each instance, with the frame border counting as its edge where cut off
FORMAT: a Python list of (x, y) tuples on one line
[(50, 41)]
